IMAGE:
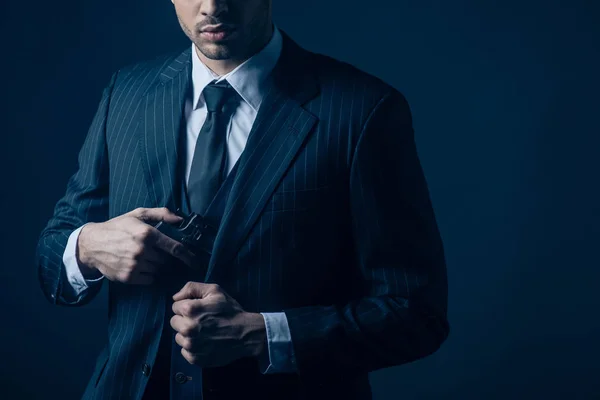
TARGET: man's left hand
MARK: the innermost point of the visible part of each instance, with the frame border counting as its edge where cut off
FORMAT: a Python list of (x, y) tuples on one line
[(213, 329)]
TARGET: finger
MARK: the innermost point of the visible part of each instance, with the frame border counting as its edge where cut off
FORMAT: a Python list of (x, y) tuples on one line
[(205, 359), (185, 342), (196, 290), (171, 246), (187, 307), (156, 215), (190, 357), (183, 325)]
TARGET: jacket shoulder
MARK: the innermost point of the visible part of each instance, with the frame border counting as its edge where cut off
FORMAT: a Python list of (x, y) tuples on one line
[(340, 81), (145, 72), (334, 74)]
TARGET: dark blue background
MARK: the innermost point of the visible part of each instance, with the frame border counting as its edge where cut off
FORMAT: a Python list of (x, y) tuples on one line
[(505, 102)]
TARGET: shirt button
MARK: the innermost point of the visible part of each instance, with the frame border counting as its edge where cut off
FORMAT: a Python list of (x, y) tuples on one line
[(180, 377), (146, 370)]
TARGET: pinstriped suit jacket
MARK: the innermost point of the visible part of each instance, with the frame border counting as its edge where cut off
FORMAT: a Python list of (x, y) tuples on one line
[(329, 220)]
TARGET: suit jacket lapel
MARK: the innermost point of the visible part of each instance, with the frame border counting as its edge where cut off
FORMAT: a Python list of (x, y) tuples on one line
[(280, 129), (161, 117)]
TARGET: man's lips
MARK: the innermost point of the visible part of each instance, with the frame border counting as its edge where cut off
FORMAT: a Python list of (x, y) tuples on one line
[(217, 32), (218, 28)]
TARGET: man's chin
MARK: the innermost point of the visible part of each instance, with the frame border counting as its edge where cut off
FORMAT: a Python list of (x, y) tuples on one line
[(215, 51)]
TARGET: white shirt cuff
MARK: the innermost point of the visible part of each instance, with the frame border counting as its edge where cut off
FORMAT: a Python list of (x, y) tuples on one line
[(281, 357), (74, 277)]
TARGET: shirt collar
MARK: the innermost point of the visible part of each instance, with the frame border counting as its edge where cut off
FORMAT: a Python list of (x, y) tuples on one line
[(248, 79)]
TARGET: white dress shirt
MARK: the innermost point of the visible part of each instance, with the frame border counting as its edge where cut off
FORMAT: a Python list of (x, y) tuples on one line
[(250, 81)]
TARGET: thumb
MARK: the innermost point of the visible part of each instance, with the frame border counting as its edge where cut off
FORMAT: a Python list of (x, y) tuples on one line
[(194, 290), (155, 215)]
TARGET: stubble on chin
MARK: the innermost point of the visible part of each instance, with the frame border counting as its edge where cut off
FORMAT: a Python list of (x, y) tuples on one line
[(214, 51)]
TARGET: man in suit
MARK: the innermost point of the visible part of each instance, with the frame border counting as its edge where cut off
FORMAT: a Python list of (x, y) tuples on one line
[(327, 262)]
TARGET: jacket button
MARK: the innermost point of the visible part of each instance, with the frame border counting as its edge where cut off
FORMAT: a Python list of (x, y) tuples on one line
[(180, 377), (146, 370)]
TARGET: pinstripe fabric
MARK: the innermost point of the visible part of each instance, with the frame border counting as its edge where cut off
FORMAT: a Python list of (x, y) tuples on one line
[(328, 220)]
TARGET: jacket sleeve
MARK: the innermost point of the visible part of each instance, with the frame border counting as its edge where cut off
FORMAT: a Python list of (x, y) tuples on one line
[(85, 200), (402, 315)]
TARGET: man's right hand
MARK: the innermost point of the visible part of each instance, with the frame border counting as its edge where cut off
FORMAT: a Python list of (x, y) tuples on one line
[(128, 248)]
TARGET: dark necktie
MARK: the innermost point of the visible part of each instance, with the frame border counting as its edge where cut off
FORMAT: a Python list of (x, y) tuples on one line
[(208, 163)]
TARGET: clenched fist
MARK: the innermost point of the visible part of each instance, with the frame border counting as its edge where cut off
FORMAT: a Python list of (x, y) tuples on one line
[(212, 328), (127, 249)]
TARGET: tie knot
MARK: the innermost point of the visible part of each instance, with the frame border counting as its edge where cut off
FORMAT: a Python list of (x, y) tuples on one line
[(217, 94)]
